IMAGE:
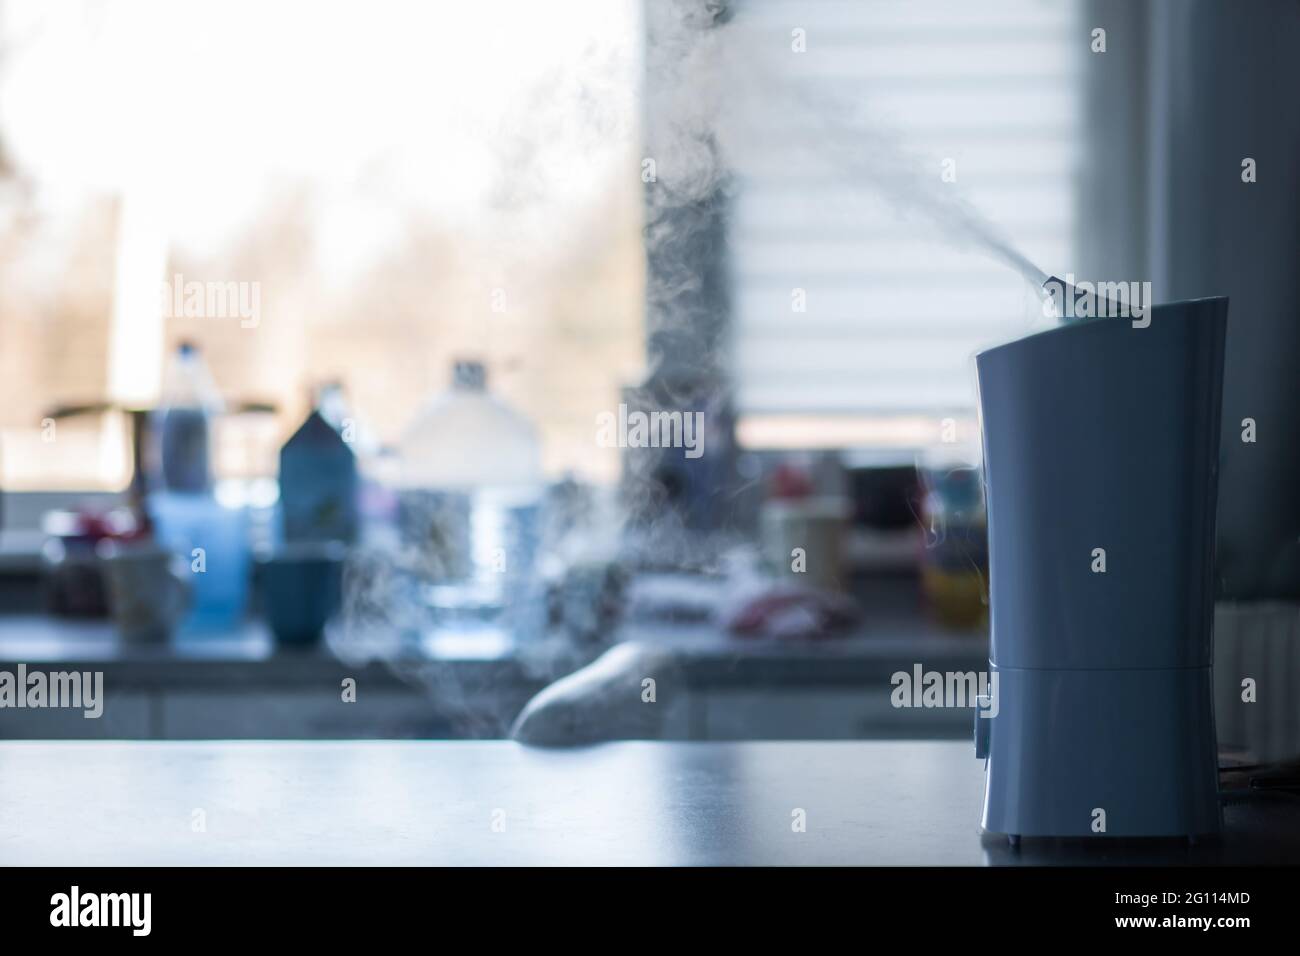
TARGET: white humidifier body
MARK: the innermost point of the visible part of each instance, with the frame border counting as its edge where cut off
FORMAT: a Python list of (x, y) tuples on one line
[(1101, 446)]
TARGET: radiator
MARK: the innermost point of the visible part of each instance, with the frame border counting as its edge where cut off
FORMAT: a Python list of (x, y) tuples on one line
[(1259, 641)]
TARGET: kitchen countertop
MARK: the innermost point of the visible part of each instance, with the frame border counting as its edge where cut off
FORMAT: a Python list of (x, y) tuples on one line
[(638, 803), (249, 656), (240, 656), (244, 685), (894, 635)]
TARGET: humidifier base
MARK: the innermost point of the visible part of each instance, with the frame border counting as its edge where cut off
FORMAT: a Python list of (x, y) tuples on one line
[(1089, 753)]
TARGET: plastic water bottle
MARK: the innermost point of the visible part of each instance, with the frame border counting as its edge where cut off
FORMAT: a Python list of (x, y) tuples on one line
[(186, 517), (181, 424), (471, 482)]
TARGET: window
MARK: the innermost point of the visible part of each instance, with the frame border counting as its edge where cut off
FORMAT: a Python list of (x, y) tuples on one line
[(855, 314), (396, 182)]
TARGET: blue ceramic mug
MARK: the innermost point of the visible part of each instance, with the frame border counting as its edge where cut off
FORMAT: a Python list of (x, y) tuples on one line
[(301, 589)]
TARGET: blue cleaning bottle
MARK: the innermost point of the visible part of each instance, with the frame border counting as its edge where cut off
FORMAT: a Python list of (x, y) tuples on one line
[(318, 476)]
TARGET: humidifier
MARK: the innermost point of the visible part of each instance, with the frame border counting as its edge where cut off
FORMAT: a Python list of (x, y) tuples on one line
[(1101, 445)]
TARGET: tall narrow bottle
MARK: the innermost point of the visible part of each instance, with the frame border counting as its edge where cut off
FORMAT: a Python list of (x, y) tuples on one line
[(185, 514)]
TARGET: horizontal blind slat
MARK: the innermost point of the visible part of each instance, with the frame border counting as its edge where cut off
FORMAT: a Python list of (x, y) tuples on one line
[(891, 312)]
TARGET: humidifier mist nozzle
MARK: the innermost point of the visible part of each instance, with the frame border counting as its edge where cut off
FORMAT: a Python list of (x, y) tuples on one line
[(1055, 293), (1067, 303)]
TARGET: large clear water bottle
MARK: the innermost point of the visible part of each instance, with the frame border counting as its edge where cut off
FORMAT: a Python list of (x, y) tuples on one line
[(471, 483)]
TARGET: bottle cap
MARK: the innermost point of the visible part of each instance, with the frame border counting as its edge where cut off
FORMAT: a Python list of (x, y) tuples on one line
[(469, 375)]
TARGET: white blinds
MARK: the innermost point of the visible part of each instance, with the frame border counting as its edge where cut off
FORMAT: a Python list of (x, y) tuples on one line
[(892, 312)]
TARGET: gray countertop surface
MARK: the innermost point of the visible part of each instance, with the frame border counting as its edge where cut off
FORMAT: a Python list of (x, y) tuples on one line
[(496, 802), (249, 656)]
